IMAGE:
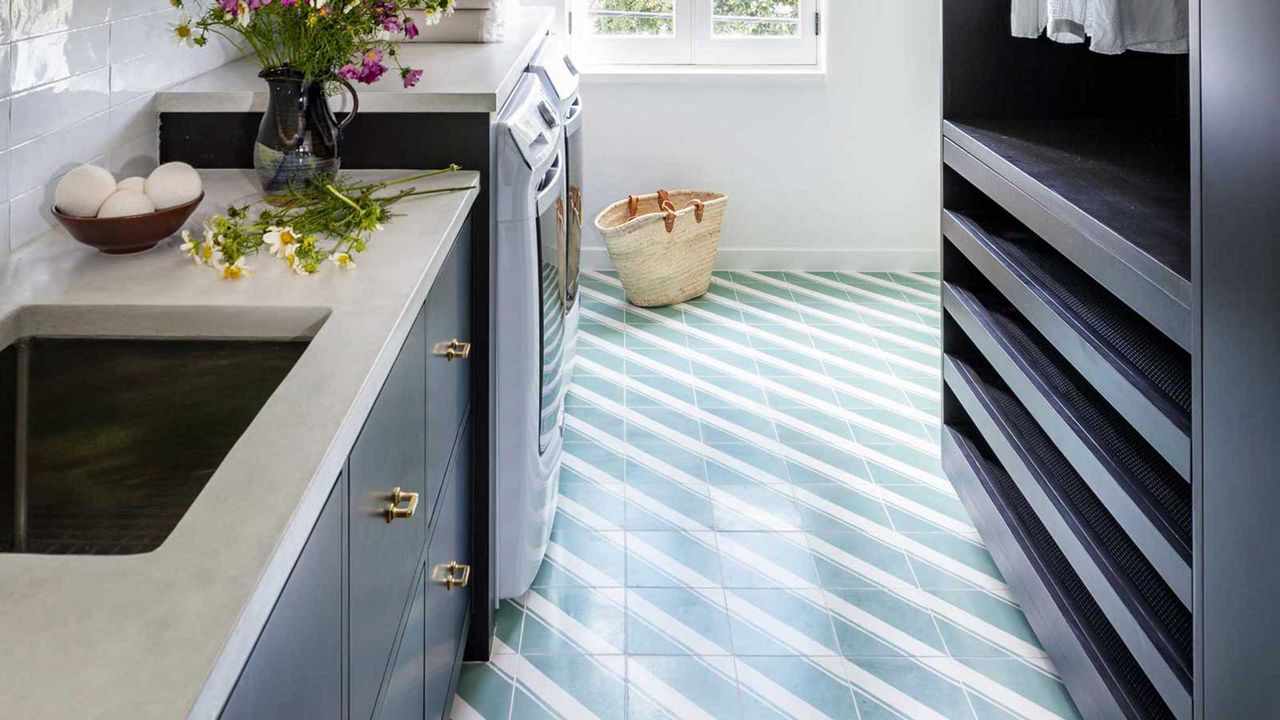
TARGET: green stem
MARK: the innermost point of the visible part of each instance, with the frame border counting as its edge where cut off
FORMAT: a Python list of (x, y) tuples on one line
[(420, 176), (344, 198)]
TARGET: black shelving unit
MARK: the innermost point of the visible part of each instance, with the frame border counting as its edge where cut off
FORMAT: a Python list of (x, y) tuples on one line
[(1070, 335)]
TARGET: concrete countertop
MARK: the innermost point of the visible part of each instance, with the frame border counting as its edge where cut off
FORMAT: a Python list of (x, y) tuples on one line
[(164, 634), (457, 78)]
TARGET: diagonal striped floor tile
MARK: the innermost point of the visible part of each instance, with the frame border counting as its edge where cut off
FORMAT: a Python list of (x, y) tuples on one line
[(754, 523)]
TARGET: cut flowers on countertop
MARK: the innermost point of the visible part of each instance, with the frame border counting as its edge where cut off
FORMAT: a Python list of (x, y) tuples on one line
[(331, 222)]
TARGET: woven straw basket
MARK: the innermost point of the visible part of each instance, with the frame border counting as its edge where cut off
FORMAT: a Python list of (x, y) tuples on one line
[(664, 245)]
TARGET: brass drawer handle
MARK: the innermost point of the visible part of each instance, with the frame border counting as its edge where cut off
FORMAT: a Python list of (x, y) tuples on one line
[(394, 512), (455, 349), (453, 575)]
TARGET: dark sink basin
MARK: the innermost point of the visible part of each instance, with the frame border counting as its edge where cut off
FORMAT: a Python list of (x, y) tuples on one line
[(105, 444)]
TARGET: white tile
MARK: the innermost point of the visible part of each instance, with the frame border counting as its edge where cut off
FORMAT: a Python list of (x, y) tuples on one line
[(5, 142), (142, 34), (42, 17), (121, 9), (155, 71), (6, 68), (29, 216), (6, 32), (39, 161), (4, 228), (50, 58), (138, 157), (50, 108), (134, 119), (4, 179)]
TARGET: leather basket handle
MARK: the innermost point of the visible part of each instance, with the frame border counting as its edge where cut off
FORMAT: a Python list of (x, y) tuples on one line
[(700, 209), (633, 207)]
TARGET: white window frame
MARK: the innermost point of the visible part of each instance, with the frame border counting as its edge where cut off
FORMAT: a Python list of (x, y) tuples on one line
[(694, 42)]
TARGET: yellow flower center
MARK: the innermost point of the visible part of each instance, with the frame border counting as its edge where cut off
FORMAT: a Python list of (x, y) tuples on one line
[(183, 31), (287, 238), (233, 272)]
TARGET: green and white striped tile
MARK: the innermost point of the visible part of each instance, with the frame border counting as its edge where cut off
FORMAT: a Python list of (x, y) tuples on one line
[(754, 523)]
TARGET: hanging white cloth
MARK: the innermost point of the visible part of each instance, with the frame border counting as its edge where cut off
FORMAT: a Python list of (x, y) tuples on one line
[(1111, 26), (1029, 18), (1161, 26)]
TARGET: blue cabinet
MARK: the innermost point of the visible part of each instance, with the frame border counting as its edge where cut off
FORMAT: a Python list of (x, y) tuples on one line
[(372, 619)]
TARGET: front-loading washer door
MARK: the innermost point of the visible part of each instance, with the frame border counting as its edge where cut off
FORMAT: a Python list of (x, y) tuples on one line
[(552, 219), (575, 154)]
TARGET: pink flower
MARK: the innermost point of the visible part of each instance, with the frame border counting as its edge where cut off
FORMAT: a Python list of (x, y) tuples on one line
[(410, 29), (410, 77)]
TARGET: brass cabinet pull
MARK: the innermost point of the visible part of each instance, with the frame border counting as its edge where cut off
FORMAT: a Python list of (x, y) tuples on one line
[(394, 512), (452, 575), (455, 349)]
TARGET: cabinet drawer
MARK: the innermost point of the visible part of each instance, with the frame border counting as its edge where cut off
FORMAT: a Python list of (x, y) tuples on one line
[(448, 381), (449, 553), (385, 556), (404, 697)]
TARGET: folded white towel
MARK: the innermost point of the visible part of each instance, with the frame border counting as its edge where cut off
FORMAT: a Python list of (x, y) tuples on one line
[(468, 25), (472, 4)]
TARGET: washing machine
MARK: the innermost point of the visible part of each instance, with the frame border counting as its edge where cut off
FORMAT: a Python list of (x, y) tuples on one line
[(554, 67), (531, 213)]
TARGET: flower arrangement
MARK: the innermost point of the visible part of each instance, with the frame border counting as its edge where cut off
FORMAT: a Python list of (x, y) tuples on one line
[(319, 38), (315, 224)]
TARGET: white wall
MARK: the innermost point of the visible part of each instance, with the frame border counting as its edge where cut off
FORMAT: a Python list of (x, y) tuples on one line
[(77, 85), (820, 176)]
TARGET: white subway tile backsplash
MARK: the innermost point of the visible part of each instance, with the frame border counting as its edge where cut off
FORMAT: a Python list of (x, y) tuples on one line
[(50, 58), (41, 17), (77, 84), (142, 34), (29, 215), (50, 108), (137, 157), (121, 9)]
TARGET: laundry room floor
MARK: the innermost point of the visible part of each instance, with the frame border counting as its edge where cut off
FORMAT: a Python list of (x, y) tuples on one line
[(753, 523)]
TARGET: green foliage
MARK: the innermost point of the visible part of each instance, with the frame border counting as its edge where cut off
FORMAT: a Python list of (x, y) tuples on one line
[(615, 25), (316, 37)]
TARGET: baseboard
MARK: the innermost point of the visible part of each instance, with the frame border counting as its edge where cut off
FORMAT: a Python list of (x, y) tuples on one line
[(596, 258)]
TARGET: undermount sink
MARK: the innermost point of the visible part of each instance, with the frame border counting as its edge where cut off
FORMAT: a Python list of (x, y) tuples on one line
[(105, 443)]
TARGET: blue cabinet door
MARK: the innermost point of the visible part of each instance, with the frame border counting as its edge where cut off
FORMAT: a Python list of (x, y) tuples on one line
[(295, 670)]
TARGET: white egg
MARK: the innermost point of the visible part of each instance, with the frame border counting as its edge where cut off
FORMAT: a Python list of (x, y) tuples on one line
[(132, 183), (126, 202), (173, 184), (82, 191)]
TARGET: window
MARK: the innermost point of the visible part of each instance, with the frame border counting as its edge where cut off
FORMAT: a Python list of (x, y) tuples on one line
[(696, 32)]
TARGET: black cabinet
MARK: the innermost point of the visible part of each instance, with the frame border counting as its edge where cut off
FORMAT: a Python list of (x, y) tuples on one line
[(295, 670), (372, 619)]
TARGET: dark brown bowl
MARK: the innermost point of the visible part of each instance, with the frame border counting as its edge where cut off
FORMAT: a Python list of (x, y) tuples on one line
[(131, 233)]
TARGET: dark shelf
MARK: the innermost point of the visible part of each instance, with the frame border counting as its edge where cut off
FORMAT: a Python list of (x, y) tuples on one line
[(1119, 186), (1142, 374), (1154, 624), (1146, 496), (1103, 677)]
